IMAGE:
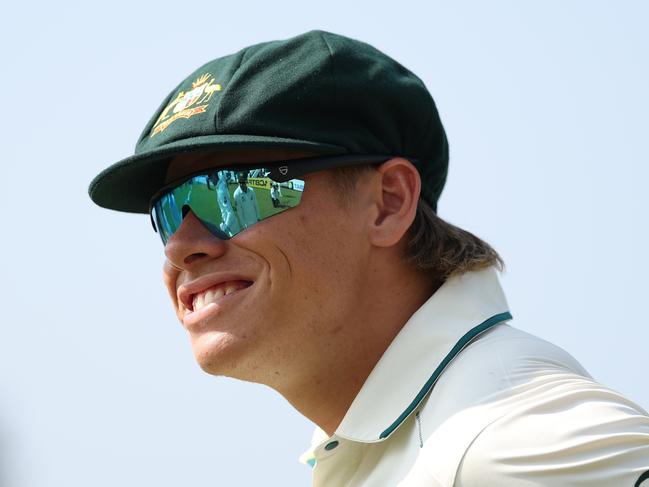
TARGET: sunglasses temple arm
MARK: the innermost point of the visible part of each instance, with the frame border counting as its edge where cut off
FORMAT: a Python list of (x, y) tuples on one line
[(296, 168)]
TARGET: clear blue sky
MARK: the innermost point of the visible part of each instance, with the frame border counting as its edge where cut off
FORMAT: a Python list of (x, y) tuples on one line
[(545, 105)]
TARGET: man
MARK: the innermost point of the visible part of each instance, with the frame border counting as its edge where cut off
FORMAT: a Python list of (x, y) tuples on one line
[(245, 202), (229, 224), (377, 320), (274, 194)]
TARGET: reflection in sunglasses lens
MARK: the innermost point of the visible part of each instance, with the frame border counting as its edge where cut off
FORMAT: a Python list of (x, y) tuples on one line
[(226, 201)]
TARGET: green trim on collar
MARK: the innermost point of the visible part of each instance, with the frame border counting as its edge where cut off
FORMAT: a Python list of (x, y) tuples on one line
[(641, 479), (463, 342)]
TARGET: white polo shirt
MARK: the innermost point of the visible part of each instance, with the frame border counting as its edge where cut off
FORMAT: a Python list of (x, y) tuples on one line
[(460, 398)]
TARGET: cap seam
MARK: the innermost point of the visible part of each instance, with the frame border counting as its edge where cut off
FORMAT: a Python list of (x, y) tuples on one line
[(218, 108), (425, 188), (331, 68)]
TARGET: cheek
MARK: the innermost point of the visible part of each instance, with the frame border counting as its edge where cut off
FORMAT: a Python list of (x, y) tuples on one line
[(170, 278), (327, 254), (315, 259)]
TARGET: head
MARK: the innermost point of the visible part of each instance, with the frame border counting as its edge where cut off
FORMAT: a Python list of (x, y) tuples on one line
[(243, 182), (302, 280), (304, 287)]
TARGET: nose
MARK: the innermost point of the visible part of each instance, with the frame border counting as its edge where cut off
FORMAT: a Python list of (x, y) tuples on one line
[(192, 243)]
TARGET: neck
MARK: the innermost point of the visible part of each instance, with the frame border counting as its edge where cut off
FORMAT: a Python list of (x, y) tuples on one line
[(345, 359)]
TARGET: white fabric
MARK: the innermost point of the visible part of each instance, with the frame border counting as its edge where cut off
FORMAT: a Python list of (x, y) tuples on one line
[(509, 410), (229, 223), (247, 207)]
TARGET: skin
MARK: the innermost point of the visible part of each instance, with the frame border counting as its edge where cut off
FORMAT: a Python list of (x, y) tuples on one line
[(330, 289)]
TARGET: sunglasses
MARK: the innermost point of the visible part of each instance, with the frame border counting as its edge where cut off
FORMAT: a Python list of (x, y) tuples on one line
[(229, 199)]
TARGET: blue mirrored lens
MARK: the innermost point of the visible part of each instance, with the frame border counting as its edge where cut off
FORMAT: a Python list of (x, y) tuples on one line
[(225, 201)]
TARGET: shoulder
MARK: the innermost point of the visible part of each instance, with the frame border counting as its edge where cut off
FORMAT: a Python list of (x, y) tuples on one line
[(540, 419), (502, 363), (576, 432), (513, 409)]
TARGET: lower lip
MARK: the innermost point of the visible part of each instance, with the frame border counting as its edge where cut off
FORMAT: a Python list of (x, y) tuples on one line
[(194, 319)]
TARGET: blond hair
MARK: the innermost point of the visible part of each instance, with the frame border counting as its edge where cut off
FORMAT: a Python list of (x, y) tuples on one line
[(434, 245)]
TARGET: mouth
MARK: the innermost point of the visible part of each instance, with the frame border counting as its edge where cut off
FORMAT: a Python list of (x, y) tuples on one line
[(196, 299), (215, 294), (203, 303)]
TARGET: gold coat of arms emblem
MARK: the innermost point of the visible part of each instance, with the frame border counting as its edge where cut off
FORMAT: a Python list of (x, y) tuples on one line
[(186, 104)]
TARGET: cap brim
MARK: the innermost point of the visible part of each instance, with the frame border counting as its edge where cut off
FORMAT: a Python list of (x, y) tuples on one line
[(129, 184)]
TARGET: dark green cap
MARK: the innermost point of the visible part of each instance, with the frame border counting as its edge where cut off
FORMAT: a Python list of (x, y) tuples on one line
[(317, 92)]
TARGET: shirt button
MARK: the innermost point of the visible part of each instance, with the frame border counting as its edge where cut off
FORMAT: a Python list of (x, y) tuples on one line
[(331, 445)]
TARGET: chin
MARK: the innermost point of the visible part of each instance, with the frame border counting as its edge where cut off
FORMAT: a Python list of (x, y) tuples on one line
[(221, 354), (213, 352)]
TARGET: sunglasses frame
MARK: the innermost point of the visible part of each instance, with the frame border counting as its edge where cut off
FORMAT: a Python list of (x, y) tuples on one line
[(280, 171)]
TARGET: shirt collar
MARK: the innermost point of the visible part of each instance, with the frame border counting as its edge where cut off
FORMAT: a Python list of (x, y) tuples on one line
[(462, 308)]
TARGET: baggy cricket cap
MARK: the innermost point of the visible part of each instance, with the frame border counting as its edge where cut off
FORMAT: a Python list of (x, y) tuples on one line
[(317, 92)]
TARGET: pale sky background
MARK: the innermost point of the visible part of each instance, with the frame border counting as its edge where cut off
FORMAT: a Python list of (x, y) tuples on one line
[(545, 104)]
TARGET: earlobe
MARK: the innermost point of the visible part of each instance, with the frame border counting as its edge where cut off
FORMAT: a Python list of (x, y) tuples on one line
[(400, 186)]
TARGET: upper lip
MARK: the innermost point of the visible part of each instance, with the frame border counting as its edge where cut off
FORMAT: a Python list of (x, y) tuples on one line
[(186, 292)]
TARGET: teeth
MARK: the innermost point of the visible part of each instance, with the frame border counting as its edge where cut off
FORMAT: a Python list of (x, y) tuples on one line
[(199, 301), (209, 295), (213, 294)]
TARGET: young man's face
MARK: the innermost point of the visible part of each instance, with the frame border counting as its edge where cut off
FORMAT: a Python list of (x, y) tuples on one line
[(262, 305)]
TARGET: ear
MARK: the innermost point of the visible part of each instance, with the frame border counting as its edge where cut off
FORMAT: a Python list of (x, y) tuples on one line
[(396, 201)]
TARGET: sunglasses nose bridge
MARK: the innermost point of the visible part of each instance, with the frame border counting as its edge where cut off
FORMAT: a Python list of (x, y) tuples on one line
[(213, 229)]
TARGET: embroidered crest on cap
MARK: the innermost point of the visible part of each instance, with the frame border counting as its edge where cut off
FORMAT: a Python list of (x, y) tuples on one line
[(187, 103)]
